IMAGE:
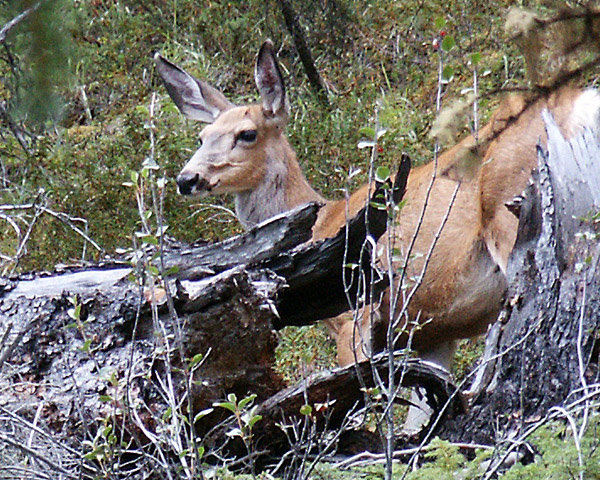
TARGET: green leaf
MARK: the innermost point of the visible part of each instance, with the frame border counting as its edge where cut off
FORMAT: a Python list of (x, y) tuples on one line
[(440, 23), (167, 415), (448, 43), (86, 345), (448, 73), (200, 451), (135, 176), (105, 398), (149, 239), (365, 144), (475, 58), (172, 271), (153, 270), (246, 401), (142, 110), (75, 312), (234, 432), (382, 174), (96, 454), (306, 410), (203, 413), (377, 205), (252, 421), (196, 359), (150, 163), (367, 132), (226, 405), (107, 430), (183, 453), (232, 398)]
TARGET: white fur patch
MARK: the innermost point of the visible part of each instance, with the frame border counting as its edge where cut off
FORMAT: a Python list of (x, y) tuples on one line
[(586, 110)]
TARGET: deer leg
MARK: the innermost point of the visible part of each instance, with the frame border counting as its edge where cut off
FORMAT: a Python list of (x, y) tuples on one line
[(420, 412)]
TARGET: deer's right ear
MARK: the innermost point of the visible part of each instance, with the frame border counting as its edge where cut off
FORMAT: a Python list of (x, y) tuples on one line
[(270, 82), (196, 99)]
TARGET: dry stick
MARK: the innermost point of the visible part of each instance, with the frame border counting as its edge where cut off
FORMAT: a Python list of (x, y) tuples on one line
[(580, 357), (37, 456), (24, 471), (12, 223), (158, 205), (394, 298), (368, 458), (576, 438), (36, 419), (63, 217), (22, 245), (3, 342), (343, 427), (155, 440), (420, 280), (39, 431), (438, 419), (15, 21), (166, 389)]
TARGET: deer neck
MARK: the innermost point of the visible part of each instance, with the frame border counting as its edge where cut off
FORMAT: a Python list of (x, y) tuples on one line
[(284, 187)]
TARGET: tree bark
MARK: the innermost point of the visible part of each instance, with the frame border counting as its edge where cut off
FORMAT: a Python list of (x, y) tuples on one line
[(543, 351)]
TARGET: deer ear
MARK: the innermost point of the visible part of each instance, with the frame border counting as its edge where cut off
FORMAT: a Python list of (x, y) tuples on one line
[(270, 82), (196, 99)]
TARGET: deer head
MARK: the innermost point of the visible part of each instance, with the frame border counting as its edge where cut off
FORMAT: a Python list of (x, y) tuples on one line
[(240, 141)]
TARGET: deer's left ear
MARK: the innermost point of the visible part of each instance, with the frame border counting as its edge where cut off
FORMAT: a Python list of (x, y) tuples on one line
[(270, 82)]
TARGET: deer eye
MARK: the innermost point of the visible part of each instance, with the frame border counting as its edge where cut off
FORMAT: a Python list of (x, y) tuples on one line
[(247, 136)]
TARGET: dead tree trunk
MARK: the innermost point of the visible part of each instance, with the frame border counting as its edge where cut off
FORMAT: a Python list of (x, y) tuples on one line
[(543, 352)]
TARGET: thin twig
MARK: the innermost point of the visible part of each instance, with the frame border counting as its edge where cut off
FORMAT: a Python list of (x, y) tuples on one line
[(15, 21), (37, 456), (39, 431), (368, 458)]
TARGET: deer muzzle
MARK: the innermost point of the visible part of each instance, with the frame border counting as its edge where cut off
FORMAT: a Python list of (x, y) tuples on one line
[(190, 183)]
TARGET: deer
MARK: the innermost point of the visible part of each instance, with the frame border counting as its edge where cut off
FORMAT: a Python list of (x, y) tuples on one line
[(245, 152)]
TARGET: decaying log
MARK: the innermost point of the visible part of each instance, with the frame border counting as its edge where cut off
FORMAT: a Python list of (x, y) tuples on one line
[(543, 352), (334, 396), (91, 344)]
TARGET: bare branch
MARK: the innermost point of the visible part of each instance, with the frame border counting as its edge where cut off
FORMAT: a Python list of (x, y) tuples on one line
[(15, 21)]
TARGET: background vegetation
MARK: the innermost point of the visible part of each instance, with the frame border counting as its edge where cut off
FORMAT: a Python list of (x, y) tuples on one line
[(81, 108), (83, 104)]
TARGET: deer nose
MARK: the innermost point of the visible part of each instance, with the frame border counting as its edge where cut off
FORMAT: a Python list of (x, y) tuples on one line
[(186, 182)]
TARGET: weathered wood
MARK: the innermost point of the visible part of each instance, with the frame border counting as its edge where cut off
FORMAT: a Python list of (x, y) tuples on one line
[(315, 275), (334, 395), (268, 239), (543, 354), (95, 339)]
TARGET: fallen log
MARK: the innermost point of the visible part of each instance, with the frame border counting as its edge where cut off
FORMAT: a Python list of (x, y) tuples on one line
[(96, 348)]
